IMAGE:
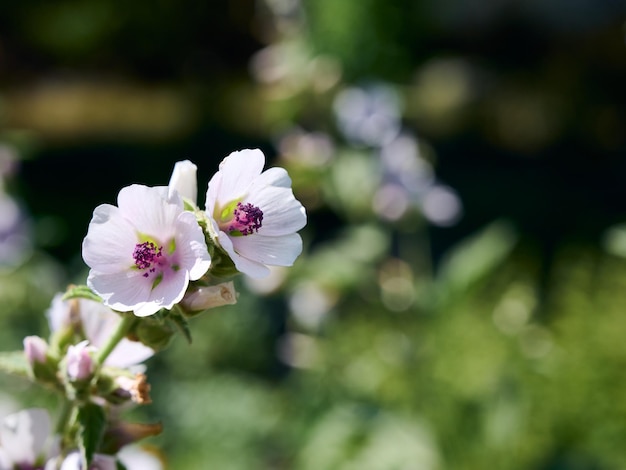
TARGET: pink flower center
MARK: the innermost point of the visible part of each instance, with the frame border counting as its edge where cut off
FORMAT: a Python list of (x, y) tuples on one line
[(147, 256), (247, 219)]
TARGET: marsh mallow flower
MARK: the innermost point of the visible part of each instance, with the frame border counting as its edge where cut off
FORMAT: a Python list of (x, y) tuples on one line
[(253, 213), (144, 251)]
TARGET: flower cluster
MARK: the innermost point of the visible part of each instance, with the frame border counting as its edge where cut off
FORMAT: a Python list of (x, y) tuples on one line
[(155, 260)]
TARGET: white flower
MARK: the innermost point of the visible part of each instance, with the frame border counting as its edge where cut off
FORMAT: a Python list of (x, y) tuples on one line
[(254, 213), (144, 252), (98, 323), (26, 440), (184, 181)]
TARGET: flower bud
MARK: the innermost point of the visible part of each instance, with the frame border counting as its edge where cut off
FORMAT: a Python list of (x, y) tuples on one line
[(184, 180), (204, 297), (79, 363), (35, 349)]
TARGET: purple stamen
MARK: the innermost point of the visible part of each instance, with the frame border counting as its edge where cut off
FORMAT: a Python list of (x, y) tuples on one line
[(146, 255), (248, 219)]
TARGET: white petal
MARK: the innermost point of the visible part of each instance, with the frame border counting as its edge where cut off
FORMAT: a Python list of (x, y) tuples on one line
[(170, 290), (121, 291), (58, 313), (238, 171), (184, 180), (152, 210), (128, 353), (244, 265), (282, 212), (5, 460), (272, 177), (110, 240), (191, 246), (98, 321), (24, 435), (276, 251)]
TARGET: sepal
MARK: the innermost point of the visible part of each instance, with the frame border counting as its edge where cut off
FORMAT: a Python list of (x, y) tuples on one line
[(154, 331), (80, 292)]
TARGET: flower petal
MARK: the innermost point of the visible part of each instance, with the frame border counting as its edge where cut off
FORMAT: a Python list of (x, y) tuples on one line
[(243, 264), (191, 244), (282, 212), (24, 435), (238, 171), (122, 291), (110, 240), (128, 353), (152, 210), (272, 177), (184, 180), (277, 251)]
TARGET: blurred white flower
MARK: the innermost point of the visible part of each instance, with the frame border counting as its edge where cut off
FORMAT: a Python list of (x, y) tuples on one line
[(368, 115), (26, 440), (98, 323)]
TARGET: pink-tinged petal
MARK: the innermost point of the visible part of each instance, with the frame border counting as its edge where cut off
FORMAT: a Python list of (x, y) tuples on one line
[(276, 251), (152, 210), (238, 171), (184, 180), (282, 212), (243, 264), (110, 240), (35, 349), (120, 291), (191, 245), (79, 361), (128, 353), (24, 435)]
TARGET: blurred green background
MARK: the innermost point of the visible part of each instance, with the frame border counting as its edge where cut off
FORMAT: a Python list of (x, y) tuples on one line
[(461, 299)]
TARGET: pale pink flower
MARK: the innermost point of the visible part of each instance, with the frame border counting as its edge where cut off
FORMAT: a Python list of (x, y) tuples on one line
[(254, 214), (143, 252)]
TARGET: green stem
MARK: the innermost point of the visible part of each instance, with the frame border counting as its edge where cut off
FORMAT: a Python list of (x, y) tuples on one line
[(66, 413), (128, 320)]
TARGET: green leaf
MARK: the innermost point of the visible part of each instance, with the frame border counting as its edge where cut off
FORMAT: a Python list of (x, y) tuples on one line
[(81, 292), (92, 421), (14, 363)]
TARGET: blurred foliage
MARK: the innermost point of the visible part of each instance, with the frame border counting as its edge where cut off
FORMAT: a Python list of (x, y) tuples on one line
[(459, 302)]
